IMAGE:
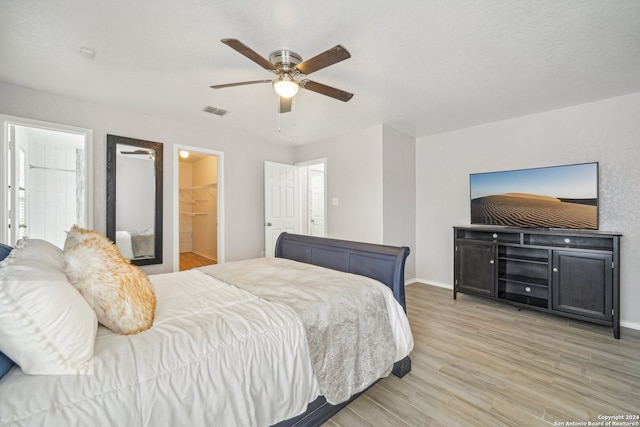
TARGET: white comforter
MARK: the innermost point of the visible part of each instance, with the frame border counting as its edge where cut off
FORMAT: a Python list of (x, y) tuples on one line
[(216, 356)]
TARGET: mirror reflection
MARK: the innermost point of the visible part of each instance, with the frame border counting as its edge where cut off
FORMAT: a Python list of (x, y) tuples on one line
[(134, 198)]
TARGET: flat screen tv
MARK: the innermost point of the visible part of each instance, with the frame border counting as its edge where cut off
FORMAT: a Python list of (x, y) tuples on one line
[(548, 197)]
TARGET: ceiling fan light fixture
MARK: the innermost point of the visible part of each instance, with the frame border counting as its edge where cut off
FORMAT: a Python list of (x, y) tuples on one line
[(286, 86)]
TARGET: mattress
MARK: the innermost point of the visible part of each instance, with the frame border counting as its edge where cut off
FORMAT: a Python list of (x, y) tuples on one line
[(216, 355)]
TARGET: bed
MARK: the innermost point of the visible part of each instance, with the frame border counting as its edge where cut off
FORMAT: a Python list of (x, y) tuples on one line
[(232, 351)]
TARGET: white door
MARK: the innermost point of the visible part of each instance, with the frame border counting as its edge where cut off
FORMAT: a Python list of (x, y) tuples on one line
[(316, 203), (280, 202)]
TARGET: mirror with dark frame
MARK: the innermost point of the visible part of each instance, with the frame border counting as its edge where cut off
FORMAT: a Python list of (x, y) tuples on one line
[(134, 198)]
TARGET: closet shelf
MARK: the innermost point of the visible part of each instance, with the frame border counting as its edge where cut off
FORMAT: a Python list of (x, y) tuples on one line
[(193, 213)]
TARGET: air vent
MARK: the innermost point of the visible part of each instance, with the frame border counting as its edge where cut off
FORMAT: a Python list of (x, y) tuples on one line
[(214, 110)]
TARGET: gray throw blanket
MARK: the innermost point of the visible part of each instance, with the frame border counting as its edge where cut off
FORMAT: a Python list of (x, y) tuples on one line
[(142, 243), (345, 318)]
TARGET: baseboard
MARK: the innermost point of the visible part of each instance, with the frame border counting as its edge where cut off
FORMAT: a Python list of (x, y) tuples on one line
[(205, 256), (630, 325), (432, 283)]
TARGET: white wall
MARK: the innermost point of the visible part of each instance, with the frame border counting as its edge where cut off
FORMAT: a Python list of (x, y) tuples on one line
[(244, 159), (372, 174), (354, 177), (205, 227), (185, 222), (606, 131), (399, 194)]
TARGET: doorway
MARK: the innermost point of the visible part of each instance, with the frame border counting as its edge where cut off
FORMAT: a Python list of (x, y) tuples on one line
[(312, 198), (294, 200), (46, 187), (198, 201)]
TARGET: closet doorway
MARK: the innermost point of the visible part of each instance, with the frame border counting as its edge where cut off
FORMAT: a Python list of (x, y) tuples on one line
[(198, 197)]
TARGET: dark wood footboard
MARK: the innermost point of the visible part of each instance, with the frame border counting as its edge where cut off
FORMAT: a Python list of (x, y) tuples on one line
[(380, 262)]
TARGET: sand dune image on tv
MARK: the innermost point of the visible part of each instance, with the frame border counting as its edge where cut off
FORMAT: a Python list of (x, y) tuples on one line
[(548, 197), (530, 210)]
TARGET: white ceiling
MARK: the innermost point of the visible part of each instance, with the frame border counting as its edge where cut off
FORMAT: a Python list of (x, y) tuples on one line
[(419, 66)]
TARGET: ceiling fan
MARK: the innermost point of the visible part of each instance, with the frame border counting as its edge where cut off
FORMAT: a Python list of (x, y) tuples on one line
[(150, 153), (288, 67), (138, 152)]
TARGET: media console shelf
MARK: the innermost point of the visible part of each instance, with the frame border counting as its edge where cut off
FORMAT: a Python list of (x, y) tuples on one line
[(572, 273)]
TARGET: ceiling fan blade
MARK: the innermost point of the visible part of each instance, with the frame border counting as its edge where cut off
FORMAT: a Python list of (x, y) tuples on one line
[(285, 105), (338, 94), (239, 84), (137, 152), (249, 53), (326, 58)]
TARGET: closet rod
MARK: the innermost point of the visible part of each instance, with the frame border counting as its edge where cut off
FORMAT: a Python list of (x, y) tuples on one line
[(53, 169)]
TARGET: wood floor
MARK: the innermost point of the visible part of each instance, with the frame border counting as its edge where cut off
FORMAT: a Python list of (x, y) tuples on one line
[(481, 363), (189, 260)]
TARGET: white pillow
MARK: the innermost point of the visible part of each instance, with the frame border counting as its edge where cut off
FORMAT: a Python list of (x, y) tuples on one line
[(39, 250), (46, 326), (119, 292)]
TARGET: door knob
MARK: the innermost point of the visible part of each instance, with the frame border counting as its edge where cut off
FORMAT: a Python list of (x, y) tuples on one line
[(268, 224)]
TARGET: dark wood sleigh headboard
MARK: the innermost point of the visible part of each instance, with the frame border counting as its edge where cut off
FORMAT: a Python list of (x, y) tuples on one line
[(380, 262)]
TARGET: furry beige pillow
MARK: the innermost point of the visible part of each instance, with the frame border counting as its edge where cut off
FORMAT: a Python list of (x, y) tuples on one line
[(120, 293)]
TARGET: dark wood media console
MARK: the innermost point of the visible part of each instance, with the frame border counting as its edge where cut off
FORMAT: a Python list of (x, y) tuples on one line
[(572, 273)]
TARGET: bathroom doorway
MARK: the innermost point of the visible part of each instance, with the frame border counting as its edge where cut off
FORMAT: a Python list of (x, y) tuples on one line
[(47, 186)]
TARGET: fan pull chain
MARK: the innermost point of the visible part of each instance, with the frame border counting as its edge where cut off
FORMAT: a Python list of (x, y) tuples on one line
[(278, 114)]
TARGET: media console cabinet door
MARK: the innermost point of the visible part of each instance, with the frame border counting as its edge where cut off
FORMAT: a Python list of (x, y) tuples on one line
[(475, 267), (582, 283)]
